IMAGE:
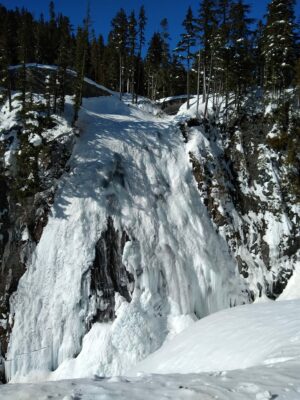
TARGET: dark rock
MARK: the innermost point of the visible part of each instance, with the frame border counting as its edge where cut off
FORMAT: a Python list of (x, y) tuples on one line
[(108, 274)]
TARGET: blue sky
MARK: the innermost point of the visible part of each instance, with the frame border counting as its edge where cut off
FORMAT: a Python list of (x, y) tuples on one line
[(102, 11)]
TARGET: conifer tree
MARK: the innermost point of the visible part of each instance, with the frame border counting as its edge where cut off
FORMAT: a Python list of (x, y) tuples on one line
[(279, 45), (165, 73), (186, 44), (63, 61), (241, 65), (153, 64), (221, 48), (142, 20), (81, 50), (206, 27), (132, 42), (5, 81), (82, 40), (119, 39)]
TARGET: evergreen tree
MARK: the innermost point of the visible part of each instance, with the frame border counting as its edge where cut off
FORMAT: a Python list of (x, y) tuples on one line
[(132, 42), (41, 40), (5, 81), (81, 51), (165, 73), (207, 27), (241, 66), (63, 61), (119, 39), (221, 48), (279, 45), (142, 20), (82, 40), (153, 64), (259, 61), (186, 44), (25, 51)]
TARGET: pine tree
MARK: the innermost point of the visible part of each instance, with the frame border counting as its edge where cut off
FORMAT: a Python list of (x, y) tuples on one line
[(241, 66), (48, 89), (119, 39), (52, 35), (24, 48), (297, 79), (94, 58), (63, 61), (207, 27), (259, 61), (142, 20), (165, 73), (5, 81), (41, 40), (186, 44), (221, 48), (81, 50), (82, 41), (153, 64), (132, 42), (279, 45)]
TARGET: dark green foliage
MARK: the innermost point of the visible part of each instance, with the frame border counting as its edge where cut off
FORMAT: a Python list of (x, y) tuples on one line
[(241, 64), (186, 45), (279, 44), (230, 58), (34, 121)]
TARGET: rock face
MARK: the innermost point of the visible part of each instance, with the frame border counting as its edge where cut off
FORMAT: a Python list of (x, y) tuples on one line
[(108, 274), (248, 176), (28, 177)]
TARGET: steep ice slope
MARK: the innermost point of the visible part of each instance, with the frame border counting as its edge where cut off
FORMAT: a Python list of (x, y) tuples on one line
[(133, 168)]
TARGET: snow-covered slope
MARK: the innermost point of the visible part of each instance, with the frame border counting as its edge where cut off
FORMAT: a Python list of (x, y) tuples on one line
[(274, 326), (246, 336), (247, 171), (130, 178)]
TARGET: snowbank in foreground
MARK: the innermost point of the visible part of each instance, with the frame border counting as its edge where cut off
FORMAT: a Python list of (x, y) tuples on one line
[(264, 333)]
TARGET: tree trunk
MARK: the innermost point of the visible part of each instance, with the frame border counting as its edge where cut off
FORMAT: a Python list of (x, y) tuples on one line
[(120, 78), (198, 86)]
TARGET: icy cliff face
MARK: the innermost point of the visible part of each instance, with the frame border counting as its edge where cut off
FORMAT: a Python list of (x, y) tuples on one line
[(30, 164), (153, 223), (248, 176), (129, 255)]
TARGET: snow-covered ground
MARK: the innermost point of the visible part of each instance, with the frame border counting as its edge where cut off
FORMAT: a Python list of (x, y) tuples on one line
[(246, 336), (259, 342)]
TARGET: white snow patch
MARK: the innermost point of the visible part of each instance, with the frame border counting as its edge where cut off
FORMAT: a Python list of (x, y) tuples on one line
[(242, 337), (35, 139)]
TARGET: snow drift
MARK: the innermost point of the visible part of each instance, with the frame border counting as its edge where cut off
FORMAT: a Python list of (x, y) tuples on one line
[(230, 337), (243, 337)]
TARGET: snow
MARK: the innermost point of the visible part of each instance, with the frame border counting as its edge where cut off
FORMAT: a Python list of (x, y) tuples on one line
[(292, 290), (35, 139), (243, 337), (187, 271), (274, 374), (69, 71)]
